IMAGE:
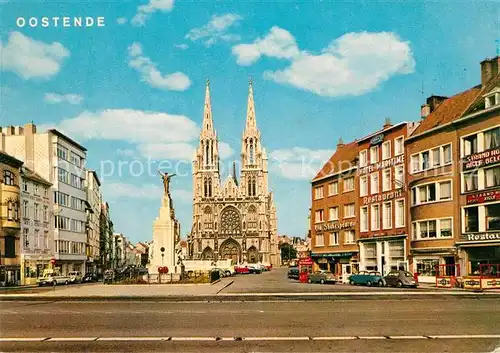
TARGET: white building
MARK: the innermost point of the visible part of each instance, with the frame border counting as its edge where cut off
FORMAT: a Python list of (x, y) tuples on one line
[(37, 227), (94, 200), (60, 160)]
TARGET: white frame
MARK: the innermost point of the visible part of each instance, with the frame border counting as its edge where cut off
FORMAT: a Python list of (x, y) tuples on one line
[(389, 154), (372, 191), (402, 138), (344, 189), (402, 167), (365, 191), (384, 225), (480, 140), (353, 208), (416, 237), (365, 162), (330, 237), (431, 159), (322, 235), (383, 179), (317, 188), (316, 218), (336, 188), (438, 192), (376, 149), (361, 229), (353, 236), (329, 213), (372, 218), (396, 213)]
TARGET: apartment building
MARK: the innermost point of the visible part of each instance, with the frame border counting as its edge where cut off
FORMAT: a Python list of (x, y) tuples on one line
[(10, 220), (333, 213), (383, 225), (37, 227), (60, 160), (94, 202)]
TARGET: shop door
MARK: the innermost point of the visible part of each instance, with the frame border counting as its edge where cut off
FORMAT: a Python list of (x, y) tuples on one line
[(346, 272), (403, 265)]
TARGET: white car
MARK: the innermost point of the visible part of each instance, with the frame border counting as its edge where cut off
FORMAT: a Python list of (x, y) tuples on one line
[(52, 278), (75, 277)]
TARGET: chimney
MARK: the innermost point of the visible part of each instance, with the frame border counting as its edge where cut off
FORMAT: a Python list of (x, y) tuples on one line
[(425, 109), (489, 69), (435, 101), (29, 149), (10, 130), (340, 143), (387, 123)]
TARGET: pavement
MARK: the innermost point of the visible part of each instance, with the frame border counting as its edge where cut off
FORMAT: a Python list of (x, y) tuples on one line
[(442, 324)]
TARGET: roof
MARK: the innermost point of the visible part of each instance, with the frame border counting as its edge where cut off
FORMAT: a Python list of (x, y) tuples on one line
[(33, 176), (9, 160), (479, 103), (93, 172), (343, 159), (391, 127), (64, 137)]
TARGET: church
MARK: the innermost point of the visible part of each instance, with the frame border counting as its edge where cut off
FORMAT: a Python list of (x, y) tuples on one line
[(234, 219)]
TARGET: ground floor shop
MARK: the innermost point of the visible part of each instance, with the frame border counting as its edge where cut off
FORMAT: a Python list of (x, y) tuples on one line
[(341, 264), (65, 267), (10, 275), (475, 258), (32, 267), (383, 254), (428, 263)]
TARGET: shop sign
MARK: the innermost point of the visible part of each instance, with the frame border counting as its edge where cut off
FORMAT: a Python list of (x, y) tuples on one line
[(333, 254), (482, 236), (377, 139), (472, 283), (483, 197), (333, 226), (382, 197), (491, 283), (444, 282), (481, 159), (383, 164), (306, 262)]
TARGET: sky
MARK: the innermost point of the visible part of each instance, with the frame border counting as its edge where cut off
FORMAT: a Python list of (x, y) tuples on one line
[(132, 91)]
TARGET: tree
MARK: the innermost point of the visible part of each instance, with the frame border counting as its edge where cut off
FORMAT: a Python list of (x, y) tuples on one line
[(288, 252)]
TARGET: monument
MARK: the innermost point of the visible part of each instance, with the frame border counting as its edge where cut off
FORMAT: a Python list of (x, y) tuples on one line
[(166, 233)]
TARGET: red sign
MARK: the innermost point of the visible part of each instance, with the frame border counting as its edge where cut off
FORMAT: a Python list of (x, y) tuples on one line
[(482, 197), (306, 262), (481, 159), (163, 269), (53, 261)]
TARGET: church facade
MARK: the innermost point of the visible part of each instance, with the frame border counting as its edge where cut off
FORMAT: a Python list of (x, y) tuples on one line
[(234, 219)]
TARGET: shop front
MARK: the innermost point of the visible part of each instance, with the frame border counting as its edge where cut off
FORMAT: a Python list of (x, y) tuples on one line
[(383, 254), (32, 267), (341, 264), (428, 262), (476, 254)]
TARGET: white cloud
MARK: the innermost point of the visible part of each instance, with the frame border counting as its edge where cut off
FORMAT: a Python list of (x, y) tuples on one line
[(54, 98), (116, 190), (121, 20), (352, 64), (176, 81), (225, 151), (215, 29), (182, 46), (181, 151), (125, 152), (298, 163), (30, 58), (278, 43), (144, 12)]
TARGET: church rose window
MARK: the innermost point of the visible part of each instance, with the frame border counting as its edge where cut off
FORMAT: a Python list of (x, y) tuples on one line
[(230, 221)]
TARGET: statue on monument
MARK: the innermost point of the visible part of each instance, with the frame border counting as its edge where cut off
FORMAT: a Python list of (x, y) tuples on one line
[(166, 181)]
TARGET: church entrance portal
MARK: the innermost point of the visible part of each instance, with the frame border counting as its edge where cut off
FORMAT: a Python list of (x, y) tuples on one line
[(252, 255), (230, 250)]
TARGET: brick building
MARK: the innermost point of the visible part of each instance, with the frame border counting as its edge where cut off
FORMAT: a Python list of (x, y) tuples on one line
[(333, 213)]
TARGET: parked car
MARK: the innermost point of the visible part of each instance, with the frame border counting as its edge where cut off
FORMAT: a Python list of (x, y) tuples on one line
[(268, 266), (368, 278), (51, 277), (222, 273), (90, 277), (254, 268), (400, 279), (241, 269), (321, 277), (293, 273), (109, 276), (75, 277)]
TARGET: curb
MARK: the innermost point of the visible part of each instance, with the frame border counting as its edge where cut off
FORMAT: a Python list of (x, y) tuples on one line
[(215, 282)]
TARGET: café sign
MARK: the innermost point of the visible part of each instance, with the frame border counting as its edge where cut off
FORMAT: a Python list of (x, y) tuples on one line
[(382, 165), (482, 236), (377, 139), (481, 159), (325, 227), (483, 197), (382, 197)]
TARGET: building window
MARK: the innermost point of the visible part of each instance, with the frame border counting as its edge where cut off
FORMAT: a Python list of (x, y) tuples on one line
[(320, 239), (386, 179), (415, 160), (492, 176), (26, 239), (62, 176), (45, 213), (447, 154), (471, 181), (8, 178), (61, 199), (424, 160), (375, 217), (364, 219), (386, 150), (363, 158), (387, 215), (46, 192), (470, 145), (348, 237), (25, 209), (25, 186), (492, 138), (76, 159), (334, 238), (398, 146), (374, 183), (445, 190), (399, 176), (493, 217), (333, 213), (62, 153), (471, 219), (432, 229), (333, 188), (318, 216), (349, 210), (37, 206), (436, 157), (76, 181), (363, 186), (439, 191), (445, 227), (427, 229), (373, 154), (348, 184), (433, 158), (10, 247), (400, 213), (61, 222), (427, 267), (318, 192), (35, 188)]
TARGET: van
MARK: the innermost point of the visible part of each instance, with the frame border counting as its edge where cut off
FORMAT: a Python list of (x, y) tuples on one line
[(75, 277)]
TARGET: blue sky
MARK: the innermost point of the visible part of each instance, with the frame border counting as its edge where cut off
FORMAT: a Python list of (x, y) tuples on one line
[(133, 90)]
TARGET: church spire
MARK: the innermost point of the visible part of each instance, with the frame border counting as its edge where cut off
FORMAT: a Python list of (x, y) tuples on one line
[(208, 125), (251, 123)]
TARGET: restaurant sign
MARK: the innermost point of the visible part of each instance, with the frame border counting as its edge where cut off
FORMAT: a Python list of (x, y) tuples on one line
[(481, 159), (329, 226), (377, 139), (382, 197), (482, 236), (333, 254), (382, 165), (482, 197)]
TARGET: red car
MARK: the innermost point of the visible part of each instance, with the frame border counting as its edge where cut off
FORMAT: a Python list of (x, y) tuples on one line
[(241, 270)]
